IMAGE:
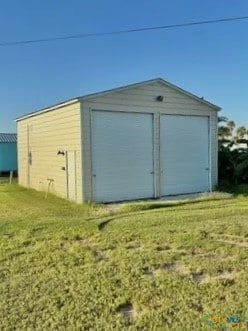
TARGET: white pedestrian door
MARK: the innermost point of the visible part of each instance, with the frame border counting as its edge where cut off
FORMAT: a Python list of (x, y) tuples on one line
[(122, 156), (71, 175), (184, 154)]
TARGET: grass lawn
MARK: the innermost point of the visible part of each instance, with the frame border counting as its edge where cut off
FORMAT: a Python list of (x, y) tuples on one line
[(140, 266)]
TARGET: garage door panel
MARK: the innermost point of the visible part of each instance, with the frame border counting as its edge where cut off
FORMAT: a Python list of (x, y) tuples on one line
[(184, 154), (122, 156)]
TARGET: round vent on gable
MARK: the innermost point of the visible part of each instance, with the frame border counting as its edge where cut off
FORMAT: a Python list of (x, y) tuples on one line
[(159, 98)]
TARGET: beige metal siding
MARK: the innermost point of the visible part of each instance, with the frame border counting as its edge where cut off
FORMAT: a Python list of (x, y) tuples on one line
[(50, 132), (142, 99)]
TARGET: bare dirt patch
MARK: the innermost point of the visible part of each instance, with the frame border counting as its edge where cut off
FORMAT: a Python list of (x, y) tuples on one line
[(147, 272), (199, 278), (234, 243), (132, 245), (126, 310), (164, 247), (80, 240), (9, 235), (98, 255), (227, 274), (108, 248), (210, 256), (63, 246), (175, 267), (27, 243), (197, 306), (182, 252)]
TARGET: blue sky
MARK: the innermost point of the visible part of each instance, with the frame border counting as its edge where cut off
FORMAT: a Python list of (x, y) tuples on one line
[(210, 60)]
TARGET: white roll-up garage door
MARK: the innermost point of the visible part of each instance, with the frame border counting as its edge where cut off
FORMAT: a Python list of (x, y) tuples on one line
[(184, 154), (122, 156)]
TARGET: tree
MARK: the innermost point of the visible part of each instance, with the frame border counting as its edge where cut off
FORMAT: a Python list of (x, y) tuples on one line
[(241, 132), (224, 132), (241, 169), (233, 162), (222, 119), (230, 125)]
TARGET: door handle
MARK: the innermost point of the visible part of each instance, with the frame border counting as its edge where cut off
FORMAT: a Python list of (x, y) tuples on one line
[(207, 169), (152, 172)]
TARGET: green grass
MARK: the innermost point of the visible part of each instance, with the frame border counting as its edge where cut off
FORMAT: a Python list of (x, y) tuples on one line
[(72, 267)]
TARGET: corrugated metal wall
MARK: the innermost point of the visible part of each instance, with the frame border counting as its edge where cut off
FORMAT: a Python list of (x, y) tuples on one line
[(8, 157)]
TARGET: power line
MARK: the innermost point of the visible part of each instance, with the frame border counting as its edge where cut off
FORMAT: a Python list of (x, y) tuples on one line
[(99, 34)]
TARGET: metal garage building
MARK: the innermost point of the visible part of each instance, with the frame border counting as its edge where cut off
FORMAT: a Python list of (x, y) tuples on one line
[(143, 140)]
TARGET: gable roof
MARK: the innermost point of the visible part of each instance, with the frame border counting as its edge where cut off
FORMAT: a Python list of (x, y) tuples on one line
[(117, 89), (8, 137), (147, 82)]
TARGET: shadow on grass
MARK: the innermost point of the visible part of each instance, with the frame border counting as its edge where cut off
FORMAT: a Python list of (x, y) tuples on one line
[(143, 207)]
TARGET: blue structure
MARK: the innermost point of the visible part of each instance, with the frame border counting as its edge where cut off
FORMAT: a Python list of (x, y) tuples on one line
[(8, 152)]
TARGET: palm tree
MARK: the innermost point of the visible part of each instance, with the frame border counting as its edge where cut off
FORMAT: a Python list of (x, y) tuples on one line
[(241, 132), (223, 132), (226, 130), (231, 126), (222, 119)]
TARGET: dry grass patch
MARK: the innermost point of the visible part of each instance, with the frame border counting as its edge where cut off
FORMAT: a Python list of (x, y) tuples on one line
[(153, 267)]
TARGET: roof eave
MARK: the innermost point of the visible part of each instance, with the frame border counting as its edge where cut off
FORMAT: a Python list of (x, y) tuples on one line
[(45, 110), (191, 95)]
